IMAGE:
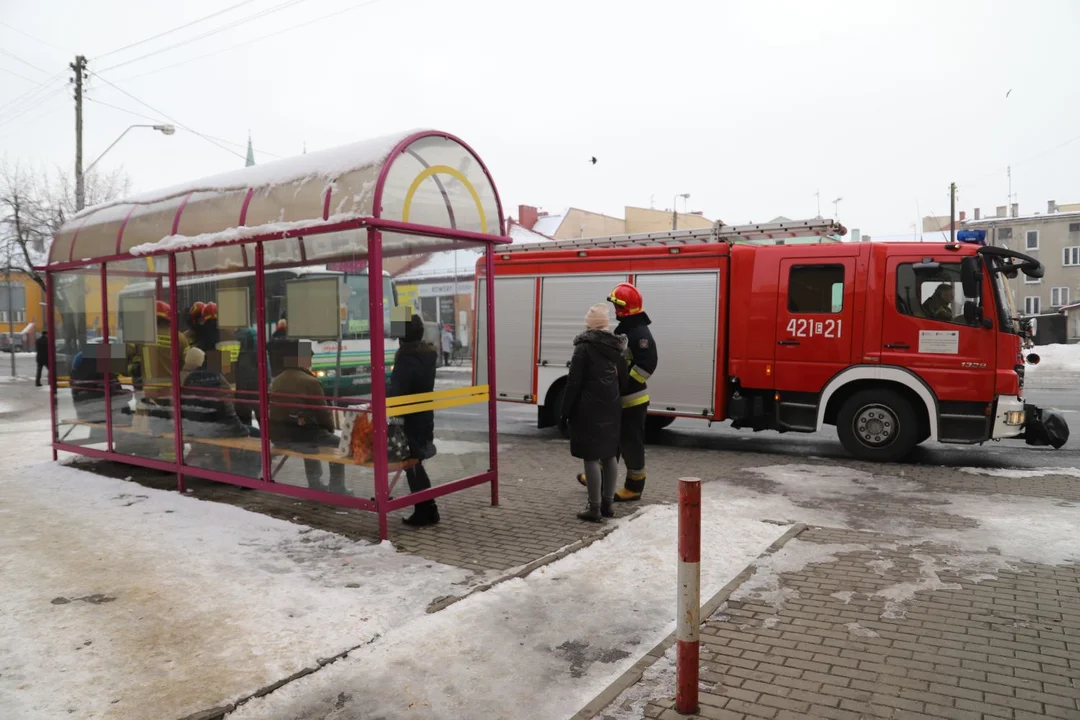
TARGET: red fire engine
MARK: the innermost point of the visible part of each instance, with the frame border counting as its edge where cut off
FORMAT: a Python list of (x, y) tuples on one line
[(893, 343)]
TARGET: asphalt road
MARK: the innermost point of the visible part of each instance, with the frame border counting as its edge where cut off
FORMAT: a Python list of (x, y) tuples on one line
[(520, 420)]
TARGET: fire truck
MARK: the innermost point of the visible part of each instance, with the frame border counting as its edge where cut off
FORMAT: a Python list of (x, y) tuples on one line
[(892, 343)]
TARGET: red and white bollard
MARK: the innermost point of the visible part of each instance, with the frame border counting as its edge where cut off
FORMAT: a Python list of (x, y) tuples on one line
[(687, 628)]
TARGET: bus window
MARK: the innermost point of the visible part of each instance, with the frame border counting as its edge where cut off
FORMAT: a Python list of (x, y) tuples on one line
[(358, 322)]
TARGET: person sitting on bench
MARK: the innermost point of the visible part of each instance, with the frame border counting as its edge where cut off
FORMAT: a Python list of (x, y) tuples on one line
[(207, 411), (308, 429)]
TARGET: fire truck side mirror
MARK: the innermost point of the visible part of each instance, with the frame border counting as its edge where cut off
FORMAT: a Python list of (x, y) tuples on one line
[(973, 314), (971, 277)]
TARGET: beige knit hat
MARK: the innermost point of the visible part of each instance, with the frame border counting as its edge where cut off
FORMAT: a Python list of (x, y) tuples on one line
[(597, 317), (193, 359)]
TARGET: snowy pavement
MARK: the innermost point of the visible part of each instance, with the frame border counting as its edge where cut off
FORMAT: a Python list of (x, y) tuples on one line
[(538, 647)]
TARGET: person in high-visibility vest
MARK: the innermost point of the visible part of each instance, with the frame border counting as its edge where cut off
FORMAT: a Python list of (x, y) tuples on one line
[(641, 358)]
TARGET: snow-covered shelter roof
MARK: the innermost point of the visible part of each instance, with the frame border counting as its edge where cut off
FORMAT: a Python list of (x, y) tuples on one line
[(427, 179)]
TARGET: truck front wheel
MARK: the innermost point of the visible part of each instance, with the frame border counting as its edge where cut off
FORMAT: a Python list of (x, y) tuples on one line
[(878, 425)]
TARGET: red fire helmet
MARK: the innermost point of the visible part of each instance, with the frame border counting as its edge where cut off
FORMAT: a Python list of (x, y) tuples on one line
[(627, 300), (162, 309)]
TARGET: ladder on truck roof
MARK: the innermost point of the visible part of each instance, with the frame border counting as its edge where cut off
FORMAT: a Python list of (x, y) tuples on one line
[(716, 234)]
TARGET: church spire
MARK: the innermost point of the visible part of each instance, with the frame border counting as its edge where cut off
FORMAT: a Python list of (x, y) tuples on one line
[(250, 153)]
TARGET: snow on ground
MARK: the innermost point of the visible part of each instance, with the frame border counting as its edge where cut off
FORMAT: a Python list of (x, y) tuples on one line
[(539, 647), (1024, 474), (1056, 357), (125, 602), (1059, 367)]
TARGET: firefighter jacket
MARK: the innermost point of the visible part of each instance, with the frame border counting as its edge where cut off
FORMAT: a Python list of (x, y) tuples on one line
[(641, 358)]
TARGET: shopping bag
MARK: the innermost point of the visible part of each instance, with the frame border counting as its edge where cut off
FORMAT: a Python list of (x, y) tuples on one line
[(397, 443)]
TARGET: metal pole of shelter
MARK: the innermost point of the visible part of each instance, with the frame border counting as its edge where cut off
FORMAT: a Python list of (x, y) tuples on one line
[(378, 377), (107, 359), (493, 412), (50, 324), (11, 314), (174, 344), (260, 348)]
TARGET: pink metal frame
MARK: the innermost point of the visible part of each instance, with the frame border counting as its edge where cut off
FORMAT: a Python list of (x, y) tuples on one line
[(381, 504)]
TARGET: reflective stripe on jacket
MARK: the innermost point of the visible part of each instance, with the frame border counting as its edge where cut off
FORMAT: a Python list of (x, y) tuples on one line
[(641, 358)]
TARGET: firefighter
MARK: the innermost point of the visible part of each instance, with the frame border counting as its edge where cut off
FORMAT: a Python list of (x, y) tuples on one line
[(641, 359)]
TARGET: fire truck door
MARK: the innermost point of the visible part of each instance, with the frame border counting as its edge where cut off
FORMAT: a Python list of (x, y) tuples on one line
[(923, 330), (813, 323)]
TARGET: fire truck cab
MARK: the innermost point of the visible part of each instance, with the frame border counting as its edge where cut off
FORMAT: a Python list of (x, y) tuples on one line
[(892, 343)]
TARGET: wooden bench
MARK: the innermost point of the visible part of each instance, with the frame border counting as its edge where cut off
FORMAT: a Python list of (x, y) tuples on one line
[(253, 445)]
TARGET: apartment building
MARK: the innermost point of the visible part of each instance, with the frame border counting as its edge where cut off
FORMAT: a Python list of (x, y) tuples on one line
[(1054, 238)]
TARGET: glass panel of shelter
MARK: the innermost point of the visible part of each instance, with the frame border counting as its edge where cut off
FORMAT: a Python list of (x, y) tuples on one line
[(319, 340), (82, 358)]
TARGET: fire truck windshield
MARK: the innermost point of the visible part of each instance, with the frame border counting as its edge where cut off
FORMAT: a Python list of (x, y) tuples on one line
[(1006, 304)]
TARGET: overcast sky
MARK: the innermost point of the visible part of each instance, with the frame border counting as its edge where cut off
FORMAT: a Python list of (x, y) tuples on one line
[(751, 107)]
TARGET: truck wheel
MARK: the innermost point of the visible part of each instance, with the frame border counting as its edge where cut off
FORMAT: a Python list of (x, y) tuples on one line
[(878, 425)]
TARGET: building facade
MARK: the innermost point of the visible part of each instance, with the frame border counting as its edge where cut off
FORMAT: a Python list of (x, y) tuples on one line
[(1052, 237)]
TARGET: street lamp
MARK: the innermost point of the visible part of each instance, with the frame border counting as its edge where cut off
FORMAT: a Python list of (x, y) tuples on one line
[(675, 209), (163, 129)]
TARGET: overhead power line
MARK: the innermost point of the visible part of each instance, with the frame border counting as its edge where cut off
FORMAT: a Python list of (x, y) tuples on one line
[(24, 62), (215, 31), (21, 77), (230, 48), (32, 37), (158, 120), (167, 117), (33, 94), (32, 106), (175, 29)]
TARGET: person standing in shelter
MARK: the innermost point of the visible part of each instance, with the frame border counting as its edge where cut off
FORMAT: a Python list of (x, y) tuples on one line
[(308, 429), (447, 340), (641, 359), (41, 348), (414, 373), (592, 408), (247, 376)]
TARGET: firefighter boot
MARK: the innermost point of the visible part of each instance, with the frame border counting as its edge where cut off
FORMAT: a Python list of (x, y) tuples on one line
[(632, 487)]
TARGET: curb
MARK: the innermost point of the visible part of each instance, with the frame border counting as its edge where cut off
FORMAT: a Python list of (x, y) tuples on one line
[(528, 569), (219, 713), (631, 677)]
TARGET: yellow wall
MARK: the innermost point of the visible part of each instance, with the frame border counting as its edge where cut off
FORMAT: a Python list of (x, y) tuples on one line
[(583, 224), (35, 311), (645, 220)]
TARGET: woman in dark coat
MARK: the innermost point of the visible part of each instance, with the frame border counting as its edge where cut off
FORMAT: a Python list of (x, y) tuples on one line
[(247, 376), (592, 407), (414, 373)]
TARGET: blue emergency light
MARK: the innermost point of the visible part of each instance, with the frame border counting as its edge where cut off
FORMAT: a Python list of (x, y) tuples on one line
[(972, 236)]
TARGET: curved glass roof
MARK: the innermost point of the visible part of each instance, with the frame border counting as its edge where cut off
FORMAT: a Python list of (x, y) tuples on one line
[(423, 178)]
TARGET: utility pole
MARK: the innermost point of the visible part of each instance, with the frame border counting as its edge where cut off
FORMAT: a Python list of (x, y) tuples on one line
[(952, 212), (79, 68)]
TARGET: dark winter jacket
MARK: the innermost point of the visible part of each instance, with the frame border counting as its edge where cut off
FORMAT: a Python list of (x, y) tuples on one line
[(414, 373), (598, 374), (641, 358), (293, 424), (207, 408), (41, 346), (88, 390), (247, 370)]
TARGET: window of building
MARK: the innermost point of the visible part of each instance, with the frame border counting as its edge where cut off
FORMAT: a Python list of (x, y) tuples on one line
[(1032, 305), (931, 293), (1074, 227), (12, 298), (816, 289), (1032, 241), (1032, 281), (1059, 296), (1070, 256), (1004, 233)]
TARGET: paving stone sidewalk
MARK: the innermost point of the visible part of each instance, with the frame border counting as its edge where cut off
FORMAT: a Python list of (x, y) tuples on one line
[(962, 646)]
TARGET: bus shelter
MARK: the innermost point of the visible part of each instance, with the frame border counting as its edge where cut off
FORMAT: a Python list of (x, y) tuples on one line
[(175, 318)]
